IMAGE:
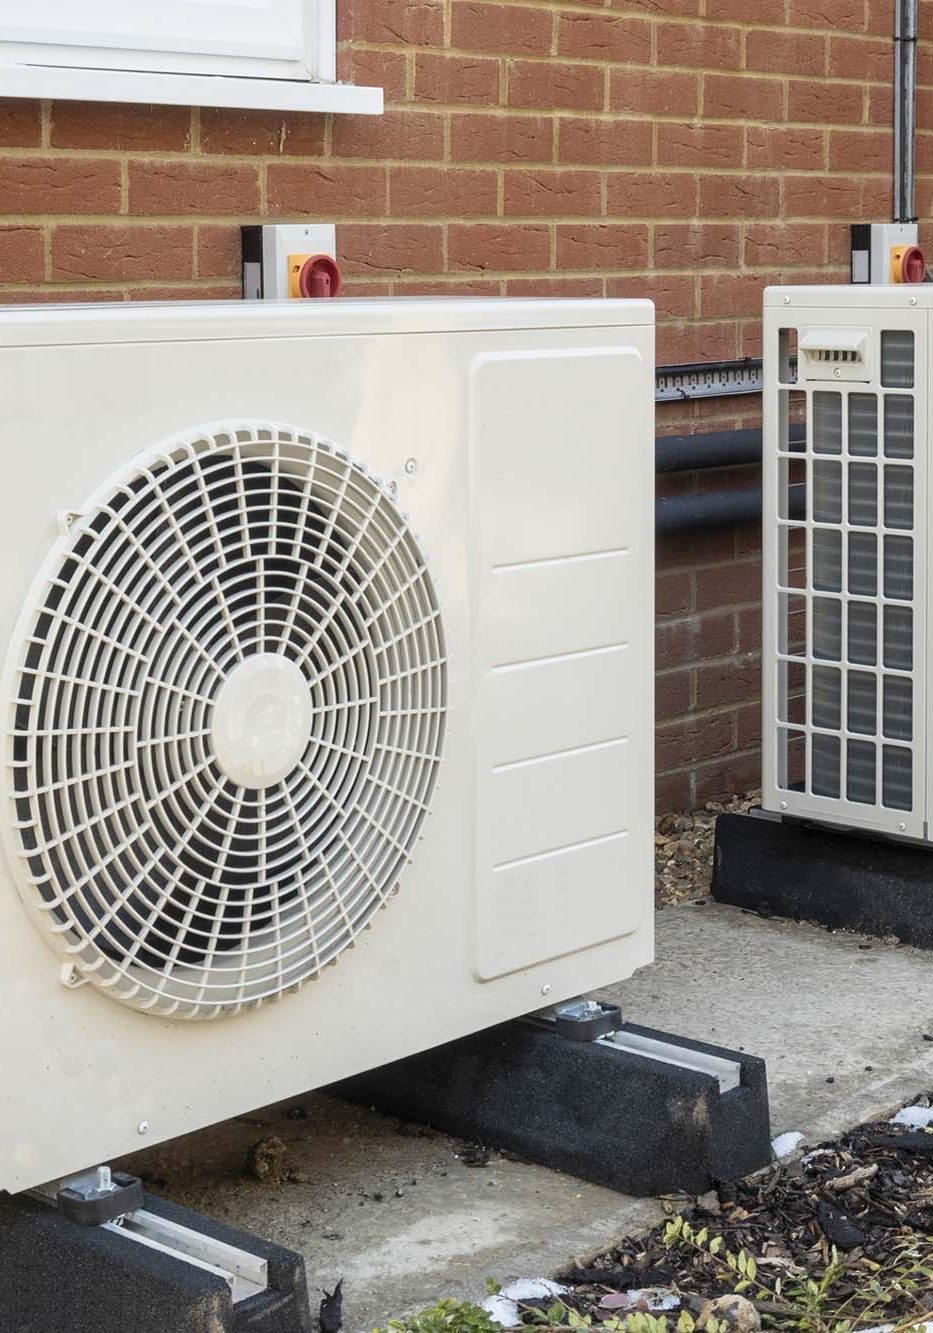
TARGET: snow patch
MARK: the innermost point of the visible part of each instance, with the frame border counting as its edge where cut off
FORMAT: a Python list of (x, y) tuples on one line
[(787, 1143)]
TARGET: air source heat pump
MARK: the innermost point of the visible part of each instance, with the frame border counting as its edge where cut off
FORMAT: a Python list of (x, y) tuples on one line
[(309, 611), (846, 530)]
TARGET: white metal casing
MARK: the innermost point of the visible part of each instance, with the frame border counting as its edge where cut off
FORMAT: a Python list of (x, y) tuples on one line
[(846, 616), (519, 438)]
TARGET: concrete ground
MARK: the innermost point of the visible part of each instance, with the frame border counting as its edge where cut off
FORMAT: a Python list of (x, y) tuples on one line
[(404, 1220)]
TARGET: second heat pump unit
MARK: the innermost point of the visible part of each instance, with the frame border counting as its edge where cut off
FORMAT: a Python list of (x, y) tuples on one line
[(846, 534)]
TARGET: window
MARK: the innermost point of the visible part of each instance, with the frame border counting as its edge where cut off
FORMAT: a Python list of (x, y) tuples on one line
[(266, 54)]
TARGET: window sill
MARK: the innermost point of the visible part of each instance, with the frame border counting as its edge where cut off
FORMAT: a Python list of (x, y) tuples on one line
[(107, 85)]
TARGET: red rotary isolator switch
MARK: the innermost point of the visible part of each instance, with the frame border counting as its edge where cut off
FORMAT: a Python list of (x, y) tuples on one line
[(908, 264), (313, 276)]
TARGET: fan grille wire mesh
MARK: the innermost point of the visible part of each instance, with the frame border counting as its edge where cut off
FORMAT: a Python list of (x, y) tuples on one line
[(161, 880)]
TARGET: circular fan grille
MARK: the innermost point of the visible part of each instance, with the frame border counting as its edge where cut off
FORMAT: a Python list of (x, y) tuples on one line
[(195, 838)]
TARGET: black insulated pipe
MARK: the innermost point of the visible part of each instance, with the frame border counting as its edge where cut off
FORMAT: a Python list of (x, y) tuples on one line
[(905, 109), (681, 513), (724, 448)]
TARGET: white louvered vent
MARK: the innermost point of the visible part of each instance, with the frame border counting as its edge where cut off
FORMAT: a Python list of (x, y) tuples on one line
[(228, 720), (844, 702)]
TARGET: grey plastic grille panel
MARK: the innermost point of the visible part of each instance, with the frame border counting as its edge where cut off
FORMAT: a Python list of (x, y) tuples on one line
[(161, 880), (846, 700)]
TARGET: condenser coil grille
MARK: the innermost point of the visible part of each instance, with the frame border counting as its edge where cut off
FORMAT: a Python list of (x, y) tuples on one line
[(845, 584), (229, 710)]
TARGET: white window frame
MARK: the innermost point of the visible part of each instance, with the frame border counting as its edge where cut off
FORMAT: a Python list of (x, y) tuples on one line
[(275, 55)]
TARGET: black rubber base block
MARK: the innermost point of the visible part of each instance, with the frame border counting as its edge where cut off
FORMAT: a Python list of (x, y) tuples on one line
[(622, 1120), (841, 880), (57, 1277)]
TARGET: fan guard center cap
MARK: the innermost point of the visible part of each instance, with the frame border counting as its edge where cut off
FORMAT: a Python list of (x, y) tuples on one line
[(262, 720)]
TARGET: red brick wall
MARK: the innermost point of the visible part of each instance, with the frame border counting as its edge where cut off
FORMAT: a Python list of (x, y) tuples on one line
[(688, 150)]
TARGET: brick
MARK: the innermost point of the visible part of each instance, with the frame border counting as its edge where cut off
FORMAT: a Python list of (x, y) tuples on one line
[(270, 133), (505, 248), (648, 194), (732, 294), (696, 638), (742, 97), (599, 142), (501, 138), (748, 727), (827, 14), (20, 123), (765, 11), (47, 295), (673, 595), (860, 150), (178, 188), (202, 291), (683, 744), (613, 37), (602, 246), (785, 147), (373, 250), (552, 193), (649, 92), (459, 80), (786, 52), (449, 287), (59, 185), (728, 585), (672, 792), (563, 287), (392, 22), (664, 8), (671, 694), (121, 126), (860, 58), (402, 135), (679, 343), (127, 253), (825, 103), (742, 196), (726, 778), (785, 245), (822, 197), (673, 294), (695, 244), (881, 106), (749, 622), (325, 191), (701, 45), (684, 144), (456, 192), (219, 252), (501, 29), (387, 70), (22, 254), (732, 682), (881, 18), (554, 84)]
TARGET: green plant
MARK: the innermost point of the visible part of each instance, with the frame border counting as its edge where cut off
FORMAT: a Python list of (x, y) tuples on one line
[(448, 1316)]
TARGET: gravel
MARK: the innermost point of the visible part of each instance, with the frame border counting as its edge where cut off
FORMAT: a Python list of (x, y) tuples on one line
[(683, 849)]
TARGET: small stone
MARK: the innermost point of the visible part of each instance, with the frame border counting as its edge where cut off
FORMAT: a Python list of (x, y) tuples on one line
[(267, 1161), (739, 1313)]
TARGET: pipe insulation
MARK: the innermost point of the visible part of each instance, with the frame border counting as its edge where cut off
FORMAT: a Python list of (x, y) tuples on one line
[(906, 26)]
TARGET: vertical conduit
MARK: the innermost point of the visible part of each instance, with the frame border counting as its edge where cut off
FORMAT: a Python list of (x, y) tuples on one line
[(905, 109)]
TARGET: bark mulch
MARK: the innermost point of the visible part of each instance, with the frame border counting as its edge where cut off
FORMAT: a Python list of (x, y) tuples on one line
[(839, 1239)]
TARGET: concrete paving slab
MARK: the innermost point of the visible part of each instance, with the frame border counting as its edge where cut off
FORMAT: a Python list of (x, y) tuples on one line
[(817, 1006), (813, 1004)]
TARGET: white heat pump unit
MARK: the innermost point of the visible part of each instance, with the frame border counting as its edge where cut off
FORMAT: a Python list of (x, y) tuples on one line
[(309, 611), (846, 531)]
